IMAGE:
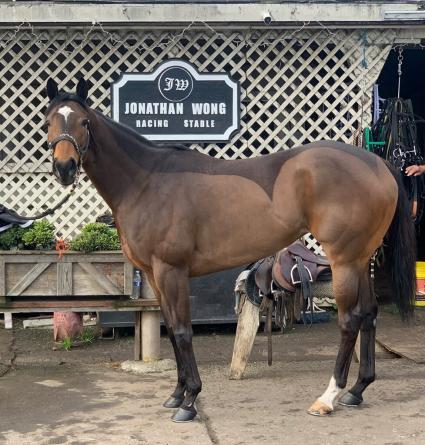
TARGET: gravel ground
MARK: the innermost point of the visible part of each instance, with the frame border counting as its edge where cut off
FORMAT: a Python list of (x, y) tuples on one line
[(82, 396)]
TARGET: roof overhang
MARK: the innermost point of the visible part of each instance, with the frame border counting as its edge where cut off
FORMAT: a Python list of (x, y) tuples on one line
[(284, 14)]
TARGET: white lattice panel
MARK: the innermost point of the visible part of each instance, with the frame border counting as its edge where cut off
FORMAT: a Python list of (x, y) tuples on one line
[(295, 88), (312, 244)]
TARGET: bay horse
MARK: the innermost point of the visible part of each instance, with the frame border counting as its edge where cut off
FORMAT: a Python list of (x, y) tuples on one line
[(181, 214)]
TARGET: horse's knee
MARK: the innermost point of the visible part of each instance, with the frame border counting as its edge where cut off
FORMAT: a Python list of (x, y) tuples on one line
[(183, 338)]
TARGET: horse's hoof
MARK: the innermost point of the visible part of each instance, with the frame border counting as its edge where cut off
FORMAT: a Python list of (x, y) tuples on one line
[(319, 409), (349, 399), (173, 402), (184, 415)]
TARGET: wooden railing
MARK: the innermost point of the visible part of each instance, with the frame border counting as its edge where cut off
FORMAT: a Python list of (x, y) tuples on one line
[(34, 281)]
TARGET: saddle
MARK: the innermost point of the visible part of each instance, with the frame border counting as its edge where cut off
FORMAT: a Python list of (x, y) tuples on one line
[(296, 265), (291, 270)]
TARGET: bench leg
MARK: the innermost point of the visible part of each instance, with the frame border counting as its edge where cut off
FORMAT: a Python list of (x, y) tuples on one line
[(8, 324), (356, 355), (151, 336), (138, 336)]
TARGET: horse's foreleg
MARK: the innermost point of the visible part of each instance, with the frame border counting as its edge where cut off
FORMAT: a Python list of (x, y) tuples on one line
[(177, 397), (173, 284), (346, 285), (367, 347)]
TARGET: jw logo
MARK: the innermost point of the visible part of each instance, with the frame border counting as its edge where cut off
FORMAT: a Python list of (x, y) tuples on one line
[(176, 84)]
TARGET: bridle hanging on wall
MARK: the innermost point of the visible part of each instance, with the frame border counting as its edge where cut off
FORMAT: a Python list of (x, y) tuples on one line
[(396, 127)]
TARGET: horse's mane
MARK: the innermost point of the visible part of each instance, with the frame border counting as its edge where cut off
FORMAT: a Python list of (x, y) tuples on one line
[(128, 131)]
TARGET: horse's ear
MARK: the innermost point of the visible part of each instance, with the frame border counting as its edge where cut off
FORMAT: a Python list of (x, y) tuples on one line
[(82, 89), (52, 89)]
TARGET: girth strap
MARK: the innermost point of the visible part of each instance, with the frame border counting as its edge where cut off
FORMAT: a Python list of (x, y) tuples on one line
[(306, 293)]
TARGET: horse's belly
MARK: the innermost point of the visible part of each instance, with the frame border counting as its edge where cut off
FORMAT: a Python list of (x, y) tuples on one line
[(239, 223)]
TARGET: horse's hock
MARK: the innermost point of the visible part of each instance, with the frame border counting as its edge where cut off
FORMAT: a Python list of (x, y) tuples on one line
[(33, 281)]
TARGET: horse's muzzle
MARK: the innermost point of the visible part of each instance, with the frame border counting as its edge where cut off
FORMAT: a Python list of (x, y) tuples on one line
[(65, 171)]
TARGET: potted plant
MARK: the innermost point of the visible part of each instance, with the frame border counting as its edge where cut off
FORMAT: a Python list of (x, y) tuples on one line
[(92, 263)]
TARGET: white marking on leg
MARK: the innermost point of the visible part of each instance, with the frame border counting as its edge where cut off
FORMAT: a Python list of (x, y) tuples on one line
[(65, 112), (329, 396)]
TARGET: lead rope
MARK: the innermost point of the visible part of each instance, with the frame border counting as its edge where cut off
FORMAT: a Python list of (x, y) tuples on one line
[(399, 71), (63, 201), (81, 152)]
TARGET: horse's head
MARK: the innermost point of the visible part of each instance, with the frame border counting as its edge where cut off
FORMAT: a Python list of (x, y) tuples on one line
[(68, 133)]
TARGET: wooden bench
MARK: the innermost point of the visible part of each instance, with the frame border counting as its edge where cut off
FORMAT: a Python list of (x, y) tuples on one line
[(33, 281)]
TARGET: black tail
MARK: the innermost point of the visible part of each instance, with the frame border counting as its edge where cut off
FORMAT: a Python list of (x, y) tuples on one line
[(401, 252)]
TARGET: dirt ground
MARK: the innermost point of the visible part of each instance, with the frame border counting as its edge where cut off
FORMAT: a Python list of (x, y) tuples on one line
[(83, 397)]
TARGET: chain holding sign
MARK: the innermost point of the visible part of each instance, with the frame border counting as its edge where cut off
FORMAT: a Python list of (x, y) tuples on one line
[(177, 103)]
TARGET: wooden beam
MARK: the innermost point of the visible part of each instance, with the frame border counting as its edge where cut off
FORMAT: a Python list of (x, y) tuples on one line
[(28, 256), (248, 322), (101, 304), (100, 279), (2, 281), (27, 279), (64, 278), (356, 355), (70, 308), (128, 278)]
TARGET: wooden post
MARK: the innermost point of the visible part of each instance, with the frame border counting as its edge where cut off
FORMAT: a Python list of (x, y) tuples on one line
[(8, 323), (150, 327), (356, 355), (2, 281), (151, 336), (64, 278), (138, 335), (248, 322)]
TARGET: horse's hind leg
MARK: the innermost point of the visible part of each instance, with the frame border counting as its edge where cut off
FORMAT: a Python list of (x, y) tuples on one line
[(346, 286), (367, 346), (173, 284)]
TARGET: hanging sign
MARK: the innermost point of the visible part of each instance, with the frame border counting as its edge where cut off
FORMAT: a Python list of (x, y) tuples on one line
[(177, 103)]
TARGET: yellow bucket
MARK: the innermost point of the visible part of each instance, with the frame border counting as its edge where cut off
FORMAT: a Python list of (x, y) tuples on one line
[(420, 269)]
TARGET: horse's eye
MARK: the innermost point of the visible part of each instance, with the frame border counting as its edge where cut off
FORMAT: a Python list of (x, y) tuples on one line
[(85, 123), (45, 126)]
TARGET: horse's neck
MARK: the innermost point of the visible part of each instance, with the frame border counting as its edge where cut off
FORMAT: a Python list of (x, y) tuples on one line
[(114, 174)]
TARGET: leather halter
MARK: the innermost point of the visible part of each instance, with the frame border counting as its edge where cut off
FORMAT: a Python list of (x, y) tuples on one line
[(80, 150), (68, 137)]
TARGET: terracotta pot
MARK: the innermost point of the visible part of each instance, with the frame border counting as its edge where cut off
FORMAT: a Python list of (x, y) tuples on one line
[(67, 324)]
